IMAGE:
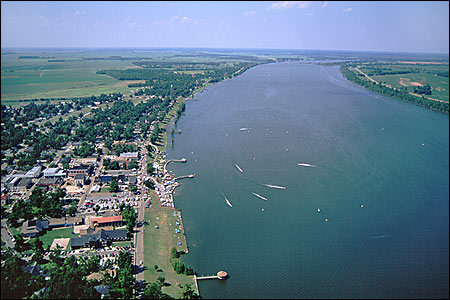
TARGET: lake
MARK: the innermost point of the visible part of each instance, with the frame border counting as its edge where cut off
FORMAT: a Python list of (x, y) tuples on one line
[(375, 167)]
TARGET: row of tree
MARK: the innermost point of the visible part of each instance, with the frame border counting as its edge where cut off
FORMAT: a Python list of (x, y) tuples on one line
[(395, 93)]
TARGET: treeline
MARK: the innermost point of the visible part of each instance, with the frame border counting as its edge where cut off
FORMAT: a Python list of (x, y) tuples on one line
[(399, 94)]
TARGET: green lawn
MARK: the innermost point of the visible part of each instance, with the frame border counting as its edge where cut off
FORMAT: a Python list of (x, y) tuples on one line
[(157, 245), (122, 244), (47, 239)]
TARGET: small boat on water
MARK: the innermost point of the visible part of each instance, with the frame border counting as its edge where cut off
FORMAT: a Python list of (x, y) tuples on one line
[(243, 129), (306, 165), (228, 202), (239, 168), (259, 196), (275, 186)]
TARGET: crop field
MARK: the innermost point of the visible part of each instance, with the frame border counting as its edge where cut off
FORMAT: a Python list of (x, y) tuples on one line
[(66, 77), (65, 73), (409, 76)]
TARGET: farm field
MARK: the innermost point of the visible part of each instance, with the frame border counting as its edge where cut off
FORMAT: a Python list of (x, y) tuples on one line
[(68, 76), (408, 76), (65, 73)]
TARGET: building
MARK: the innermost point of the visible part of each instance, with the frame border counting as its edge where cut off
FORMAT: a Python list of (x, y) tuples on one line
[(107, 221), (50, 182), (34, 228), (34, 172), (6, 199), (54, 173), (23, 185), (99, 238), (85, 170), (90, 160), (95, 240), (80, 180)]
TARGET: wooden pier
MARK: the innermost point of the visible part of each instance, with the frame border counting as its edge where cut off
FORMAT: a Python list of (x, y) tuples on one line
[(220, 275), (185, 176), (183, 160)]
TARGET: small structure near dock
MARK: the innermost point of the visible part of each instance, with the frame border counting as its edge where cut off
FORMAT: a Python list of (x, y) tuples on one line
[(222, 275)]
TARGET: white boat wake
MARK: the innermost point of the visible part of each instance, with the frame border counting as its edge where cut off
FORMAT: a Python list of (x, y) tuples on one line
[(275, 186), (307, 165), (228, 202), (259, 196)]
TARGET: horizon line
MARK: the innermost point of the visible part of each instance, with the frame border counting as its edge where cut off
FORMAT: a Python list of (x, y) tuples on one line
[(230, 48)]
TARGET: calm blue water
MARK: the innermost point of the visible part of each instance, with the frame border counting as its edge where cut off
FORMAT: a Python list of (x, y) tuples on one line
[(367, 150)]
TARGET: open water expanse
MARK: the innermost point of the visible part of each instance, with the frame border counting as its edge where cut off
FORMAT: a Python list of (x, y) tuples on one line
[(365, 149)]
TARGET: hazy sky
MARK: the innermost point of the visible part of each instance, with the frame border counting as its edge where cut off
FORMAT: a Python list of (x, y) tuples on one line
[(328, 25)]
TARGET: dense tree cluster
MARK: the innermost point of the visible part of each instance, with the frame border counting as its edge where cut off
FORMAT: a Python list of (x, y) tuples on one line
[(39, 205)]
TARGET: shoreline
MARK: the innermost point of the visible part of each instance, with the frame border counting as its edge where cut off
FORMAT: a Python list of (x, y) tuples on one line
[(172, 119)]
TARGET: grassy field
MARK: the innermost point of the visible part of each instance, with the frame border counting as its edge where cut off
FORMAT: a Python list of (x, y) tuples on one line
[(157, 246), (417, 75), (47, 239)]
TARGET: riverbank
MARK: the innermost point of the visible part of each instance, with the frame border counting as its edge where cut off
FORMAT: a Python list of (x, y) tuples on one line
[(164, 227), (390, 91)]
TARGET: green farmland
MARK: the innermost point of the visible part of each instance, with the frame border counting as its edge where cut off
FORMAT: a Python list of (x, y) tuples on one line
[(408, 76), (70, 77)]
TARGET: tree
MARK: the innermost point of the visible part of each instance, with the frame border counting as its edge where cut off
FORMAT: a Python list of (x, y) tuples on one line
[(16, 283), (189, 293), (96, 209), (149, 184), (20, 245), (153, 291), (113, 186), (72, 210), (174, 253), (161, 280), (133, 188), (38, 248), (130, 217)]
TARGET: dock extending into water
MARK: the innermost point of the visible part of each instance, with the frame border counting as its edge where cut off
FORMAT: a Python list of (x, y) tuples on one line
[(185, 176), (220, 275)]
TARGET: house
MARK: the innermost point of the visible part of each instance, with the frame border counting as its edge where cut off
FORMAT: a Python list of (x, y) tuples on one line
[(34, 270), (107, 221), (33, 228), (102, 290), (6, 199)]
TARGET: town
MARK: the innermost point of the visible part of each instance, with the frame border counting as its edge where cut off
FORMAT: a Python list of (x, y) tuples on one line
[(84, 177)]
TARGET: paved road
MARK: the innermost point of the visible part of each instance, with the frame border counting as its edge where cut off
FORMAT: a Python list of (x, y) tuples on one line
[(7, 235)]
